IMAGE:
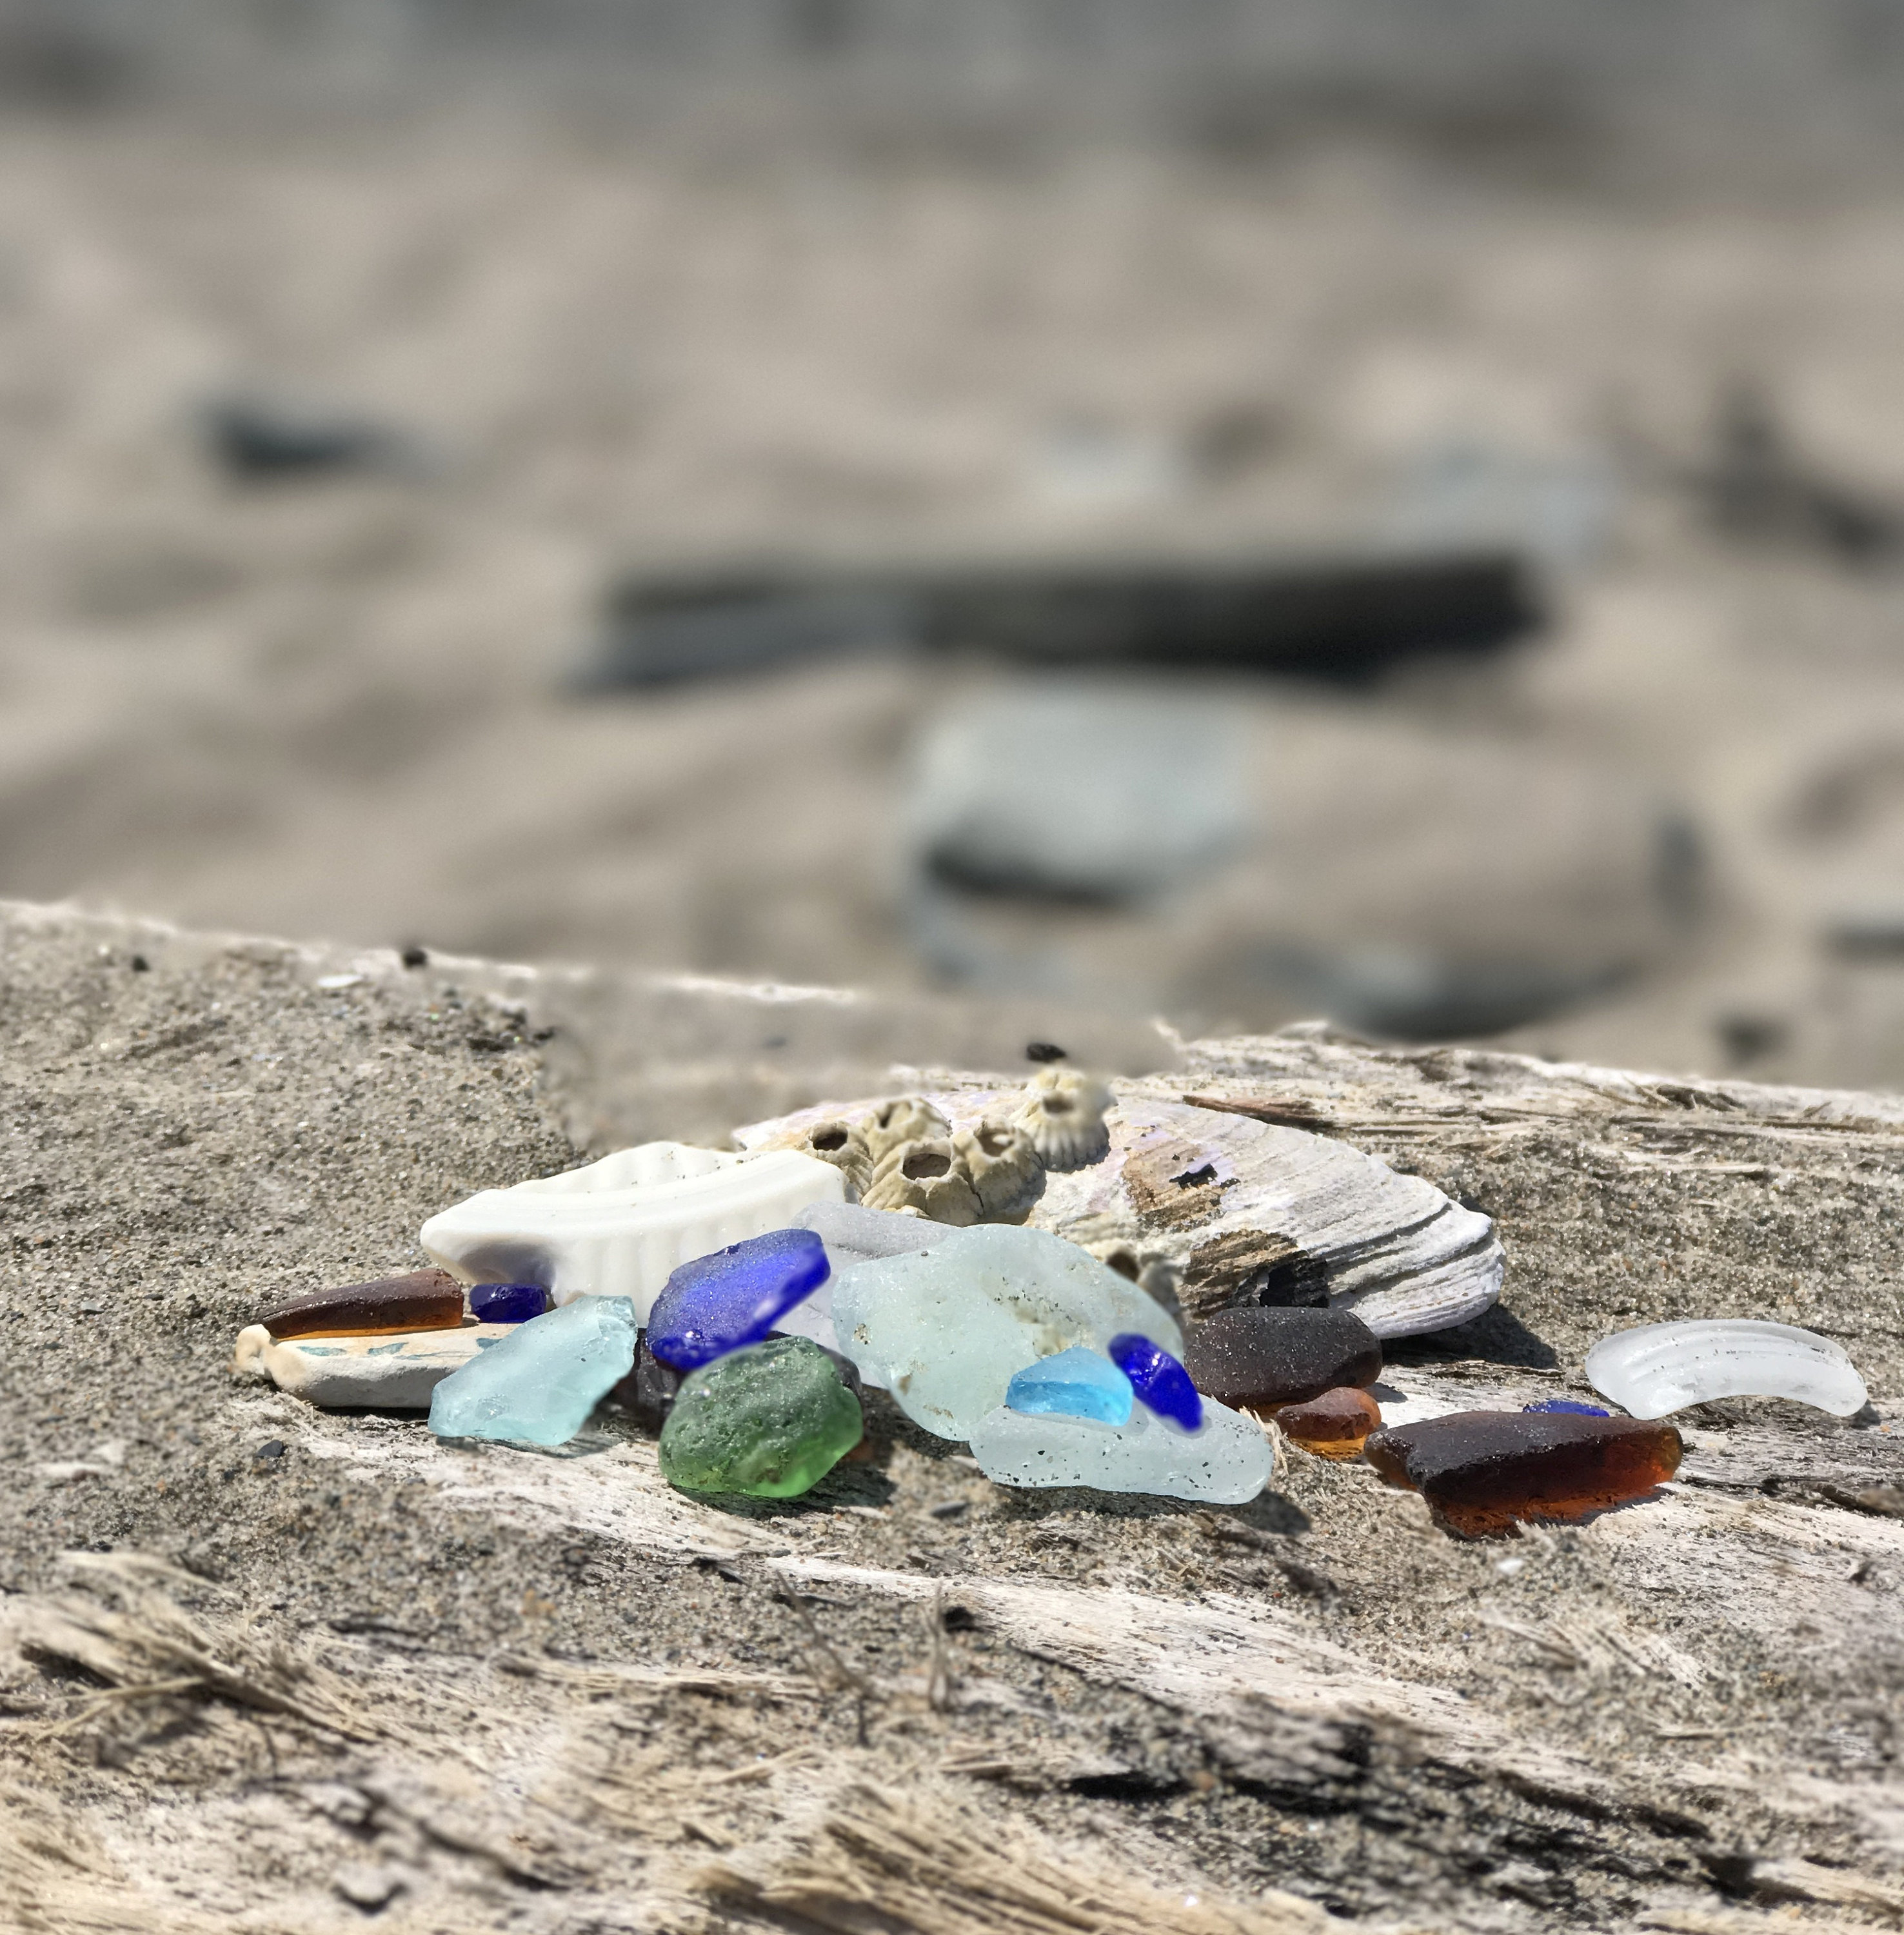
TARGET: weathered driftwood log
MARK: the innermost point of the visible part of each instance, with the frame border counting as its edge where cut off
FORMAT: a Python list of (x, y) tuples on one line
[(593, 1700)]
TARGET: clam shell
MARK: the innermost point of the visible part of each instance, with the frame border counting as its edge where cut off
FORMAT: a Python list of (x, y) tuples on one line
[(1659, 1368), (1250, 1212)]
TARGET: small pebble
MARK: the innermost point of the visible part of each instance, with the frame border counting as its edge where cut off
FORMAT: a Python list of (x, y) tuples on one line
[(272, 1447)]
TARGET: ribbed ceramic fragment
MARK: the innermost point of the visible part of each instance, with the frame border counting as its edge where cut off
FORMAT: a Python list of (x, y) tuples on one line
[(1661, 1368), (375, 1372), (1254, 1214), (619, 1227), (946, 1329), (1226, 1462)]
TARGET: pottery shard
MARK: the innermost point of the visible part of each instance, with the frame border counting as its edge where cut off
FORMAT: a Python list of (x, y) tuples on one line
[(429, 1299), (1482, 1470)]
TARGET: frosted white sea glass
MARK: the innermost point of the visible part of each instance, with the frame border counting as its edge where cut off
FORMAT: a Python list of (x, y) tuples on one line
[(1661, 1368), (1227, 1462), (619, 1226)]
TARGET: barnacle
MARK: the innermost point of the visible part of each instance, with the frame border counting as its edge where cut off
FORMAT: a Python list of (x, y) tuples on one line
[(838, 1142), (926, 1176), (1006, 1174), (905, 1119), (1063, 1113)]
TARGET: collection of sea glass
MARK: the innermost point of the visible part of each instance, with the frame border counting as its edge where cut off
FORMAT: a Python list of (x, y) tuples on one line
[(751, 1358)]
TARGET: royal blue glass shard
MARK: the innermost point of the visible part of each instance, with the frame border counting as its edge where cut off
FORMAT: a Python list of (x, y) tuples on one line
[(1158, 1379), (507, 1302), (1568, 1406), (1076, 1382), (717, 1303)]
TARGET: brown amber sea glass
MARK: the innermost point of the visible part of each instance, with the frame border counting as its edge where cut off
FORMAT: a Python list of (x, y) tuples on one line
[(1255, 1359), (1332, 1426), (429, 1299), (1482, 1470)]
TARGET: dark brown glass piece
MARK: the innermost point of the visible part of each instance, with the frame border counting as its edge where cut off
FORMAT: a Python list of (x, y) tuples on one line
[(1482, 1470), (429, 1299), (1334, 1425), (1256, 1359)]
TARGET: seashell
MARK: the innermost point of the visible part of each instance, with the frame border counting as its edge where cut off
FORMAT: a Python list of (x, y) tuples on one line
[(1063, 1111), (1659, 1368), (905, 1119), (1250, 1213), (620, 1227), (384, 1372), (1006, 1174), (841, 1143), (928, 1177)]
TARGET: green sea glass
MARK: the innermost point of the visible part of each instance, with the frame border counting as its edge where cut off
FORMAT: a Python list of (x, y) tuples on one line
[(771, 1419)]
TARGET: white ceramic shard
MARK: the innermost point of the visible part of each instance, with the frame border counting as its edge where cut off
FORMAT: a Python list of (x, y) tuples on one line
[(619, 1226), (1661, 1368), (383, 1373), (1246, 1212), (1227, 1462), (945, 1329)]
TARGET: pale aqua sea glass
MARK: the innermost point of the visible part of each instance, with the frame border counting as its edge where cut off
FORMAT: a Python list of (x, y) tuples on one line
[(538, 1384), (1076, 1382), (947, 1330)]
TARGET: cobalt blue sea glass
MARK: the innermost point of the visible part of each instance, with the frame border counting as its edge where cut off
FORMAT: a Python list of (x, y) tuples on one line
[(507, 1302), (1158, 1379), (1076, 1382), (717, 1303), (1567, 1406)]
